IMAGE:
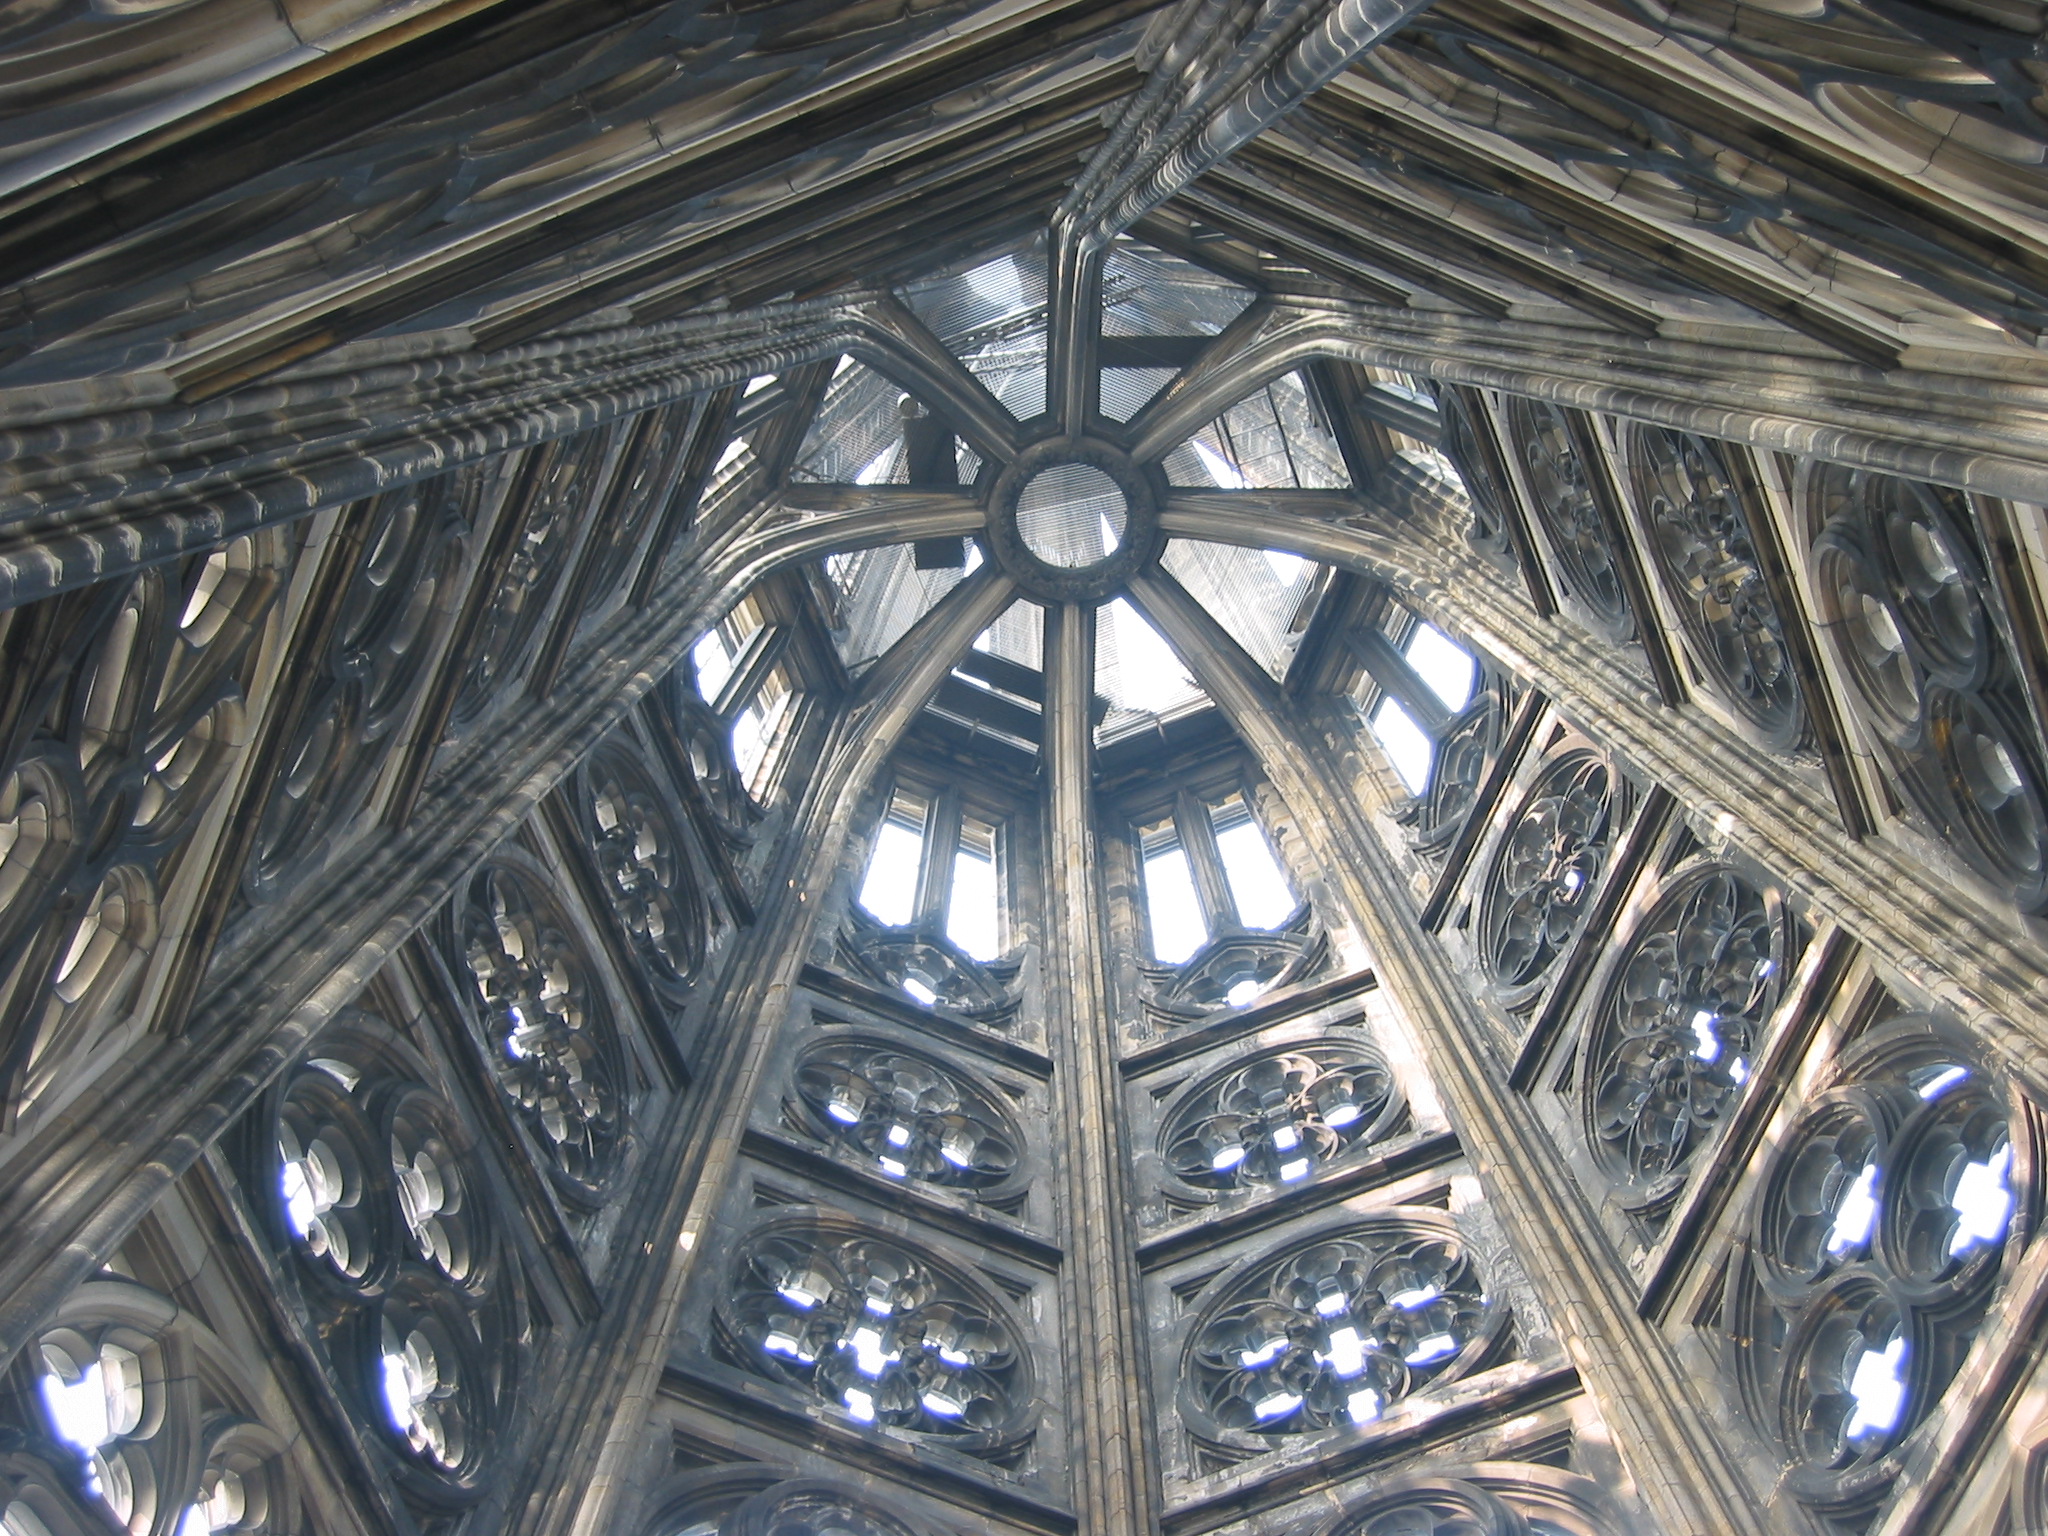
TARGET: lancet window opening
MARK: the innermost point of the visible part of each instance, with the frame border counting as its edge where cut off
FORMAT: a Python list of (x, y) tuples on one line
[(935, 864)]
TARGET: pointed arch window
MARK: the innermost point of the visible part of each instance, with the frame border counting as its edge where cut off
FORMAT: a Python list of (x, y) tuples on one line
[(743, 676), (1413, 691), (936, 865), (1209, 868)]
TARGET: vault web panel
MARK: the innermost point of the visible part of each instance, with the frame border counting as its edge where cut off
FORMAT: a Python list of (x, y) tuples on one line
[(992, 316), (1258, 596)]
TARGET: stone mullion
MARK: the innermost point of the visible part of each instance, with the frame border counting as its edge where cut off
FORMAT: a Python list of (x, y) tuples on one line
[(1684, 1473), (1103, 1341)]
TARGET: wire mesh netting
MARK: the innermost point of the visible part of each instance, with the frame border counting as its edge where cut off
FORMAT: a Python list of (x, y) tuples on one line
[(1273, 439), (992, 316), (1257, 595), (1071, 515)]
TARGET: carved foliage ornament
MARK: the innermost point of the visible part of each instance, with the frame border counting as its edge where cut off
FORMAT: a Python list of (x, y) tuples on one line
[(1540, 884), (906, 1115), (644, 868), (883, 1331), (369, 1182), (1273, 1119), (129, 1414), (1900, 592), (1699, 519), (1336, 1330), (548, 1031), (1561, 491), (1876, 1238), (1676, 1032), (122, 712)]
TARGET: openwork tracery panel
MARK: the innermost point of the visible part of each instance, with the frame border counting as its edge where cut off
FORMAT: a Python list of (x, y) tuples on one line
[(1466, 749), (123, 710), (883, 1330), (909, 1116), (636, 839), (541, 522), (406, 549), (1280, 1116), (549, 1036), (128, 1413), (1876, 1238), (369, 1183), (1676, 1030), (1539, 885), (1465, 444), (1562, 496), (1336, 1330), (1700, 523), (1903, 599)]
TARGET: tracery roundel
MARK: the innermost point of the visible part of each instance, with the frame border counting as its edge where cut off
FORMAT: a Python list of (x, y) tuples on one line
[(1336, 1330), (127, 1413), (1877, 1235), (366, 1180), (124, 710), (1676, 1031), (1698, 518), (549, 1035), (1469, 455), (1900, 591), (644, 867), (1540, 436), (1274, 1118), (1540, 883), (882, 1330), (907, 1115)]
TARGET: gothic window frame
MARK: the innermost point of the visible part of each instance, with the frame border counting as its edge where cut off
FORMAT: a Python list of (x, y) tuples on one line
[(1562, 834), (556, 1046), (640, 854), (1299, 1348), (1464, 743), (127, 722), (1491, 1498), (1710, 537), (933, 1117), (753, 1499), (757, 660), (1925, 659), (919, 960), (191, 1428), (1236, 966)]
